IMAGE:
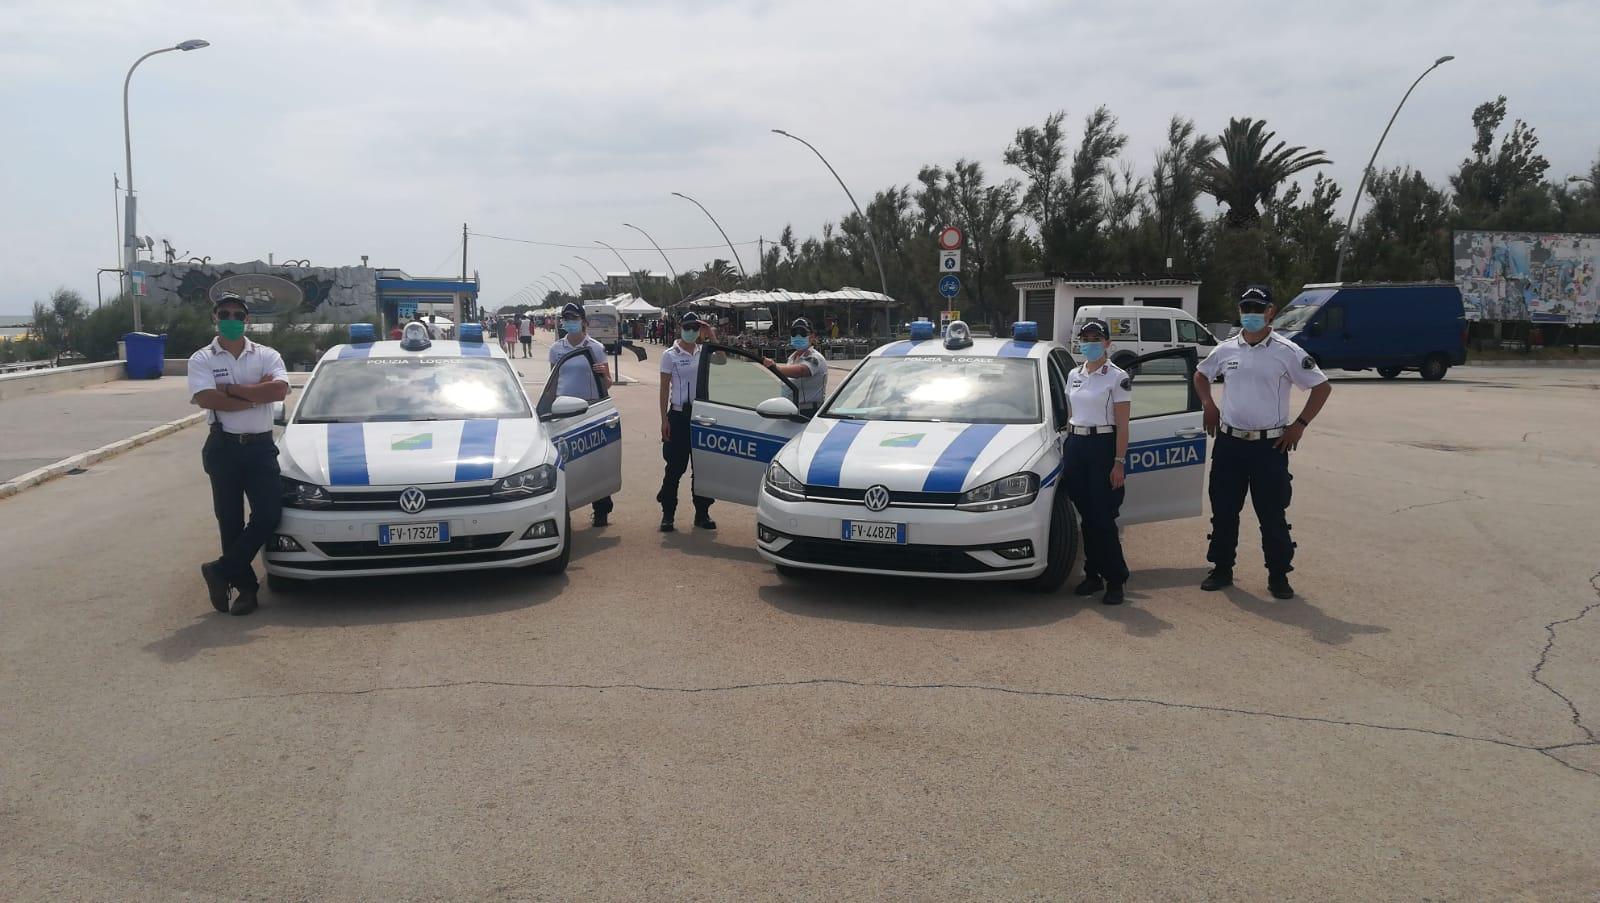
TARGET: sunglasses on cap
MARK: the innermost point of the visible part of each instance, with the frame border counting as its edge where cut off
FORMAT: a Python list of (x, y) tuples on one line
[(232, 314)]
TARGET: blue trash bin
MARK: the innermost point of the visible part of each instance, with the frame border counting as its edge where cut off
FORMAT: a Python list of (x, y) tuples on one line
[(146, 355)]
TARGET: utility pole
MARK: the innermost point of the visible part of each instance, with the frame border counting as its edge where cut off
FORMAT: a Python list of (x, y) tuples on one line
[(761, 261), (463, 272)]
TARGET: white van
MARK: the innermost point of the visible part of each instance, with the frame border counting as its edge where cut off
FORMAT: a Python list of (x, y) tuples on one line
[(1137, 330)]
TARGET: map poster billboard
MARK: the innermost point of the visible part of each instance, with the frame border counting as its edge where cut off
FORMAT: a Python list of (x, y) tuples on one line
[(1542, 277)]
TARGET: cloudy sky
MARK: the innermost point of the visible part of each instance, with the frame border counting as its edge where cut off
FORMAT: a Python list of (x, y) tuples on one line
[(328, 130)]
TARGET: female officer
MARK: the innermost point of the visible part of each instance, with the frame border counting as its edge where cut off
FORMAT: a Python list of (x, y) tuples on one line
[(1099, 394)]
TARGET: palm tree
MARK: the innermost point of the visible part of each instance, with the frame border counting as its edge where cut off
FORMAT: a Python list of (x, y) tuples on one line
[(1248, 173)]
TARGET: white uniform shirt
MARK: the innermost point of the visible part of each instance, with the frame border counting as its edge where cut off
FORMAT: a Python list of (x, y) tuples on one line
[(1092, 396), (814, 387), (212, 368), (683, 369), (1256, 379), (577, 378)]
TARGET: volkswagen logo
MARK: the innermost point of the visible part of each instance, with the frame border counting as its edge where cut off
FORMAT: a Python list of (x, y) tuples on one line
[(877, 498), (412, 500)]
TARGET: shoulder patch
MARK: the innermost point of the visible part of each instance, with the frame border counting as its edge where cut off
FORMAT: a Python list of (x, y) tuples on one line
[(1127, 384), (1306, 363)]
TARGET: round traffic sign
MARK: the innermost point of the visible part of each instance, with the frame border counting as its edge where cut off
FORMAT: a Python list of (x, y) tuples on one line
[(949, 286), (951, 239)]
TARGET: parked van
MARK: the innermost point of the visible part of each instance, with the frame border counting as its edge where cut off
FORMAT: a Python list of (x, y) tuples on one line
[(1390, 327), (1137, 330)]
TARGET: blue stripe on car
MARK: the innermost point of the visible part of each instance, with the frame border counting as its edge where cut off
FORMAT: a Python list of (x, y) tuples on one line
[(475, 460), (736, 443), (829, 459), (898, 349), (1017, 349), (352, 351), (1050, 477), (949, 473), (347, 454), (574, 444)]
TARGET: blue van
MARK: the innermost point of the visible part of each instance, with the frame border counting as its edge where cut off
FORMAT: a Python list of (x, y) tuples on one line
[(1390, 327)]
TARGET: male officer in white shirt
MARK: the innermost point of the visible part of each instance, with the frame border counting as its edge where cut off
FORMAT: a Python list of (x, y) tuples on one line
[(806, 367), (582, 376), (1254, 437), (237, 381), (680, 372)]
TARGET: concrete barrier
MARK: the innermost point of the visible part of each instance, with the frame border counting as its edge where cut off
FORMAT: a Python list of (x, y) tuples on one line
[(15, 385)]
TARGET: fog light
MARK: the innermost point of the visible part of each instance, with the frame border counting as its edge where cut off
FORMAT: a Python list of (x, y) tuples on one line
[(545, 529), (766, 533), (281, 543), (1015, 551)]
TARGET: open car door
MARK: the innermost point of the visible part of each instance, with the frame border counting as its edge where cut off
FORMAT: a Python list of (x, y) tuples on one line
[(1166, 440), (731, 442), (589, 445)]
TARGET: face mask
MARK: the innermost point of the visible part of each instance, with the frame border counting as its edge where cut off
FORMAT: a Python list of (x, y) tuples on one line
[(232, 330), (572, 327), (799, 342), (1093, 351), (1253, 322), (691, 335)]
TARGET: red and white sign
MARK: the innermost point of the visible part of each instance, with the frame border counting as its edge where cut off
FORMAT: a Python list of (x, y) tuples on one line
[(951, 239)]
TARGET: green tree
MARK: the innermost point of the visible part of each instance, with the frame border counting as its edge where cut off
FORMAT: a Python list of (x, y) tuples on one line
[(1249, 173), (988, 214), (1494, 178), (57, 323), (1304, 243), (1405, 232)]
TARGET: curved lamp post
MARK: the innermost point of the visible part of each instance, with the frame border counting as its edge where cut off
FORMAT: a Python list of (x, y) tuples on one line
[(130, 246), (568, 268), (1344, 240), (564, 282), (883, 281), (743, 276), (625, 267), (601, 276), (663, 257)]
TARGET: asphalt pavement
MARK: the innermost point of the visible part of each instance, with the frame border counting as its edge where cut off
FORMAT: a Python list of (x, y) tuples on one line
[(671, 719)]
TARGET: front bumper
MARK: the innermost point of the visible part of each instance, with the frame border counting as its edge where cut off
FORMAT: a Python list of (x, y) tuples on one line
[(345, 543), (940, 542)]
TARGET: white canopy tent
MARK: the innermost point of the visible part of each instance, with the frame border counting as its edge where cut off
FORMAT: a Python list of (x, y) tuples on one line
[(843, 296), (629, 306)]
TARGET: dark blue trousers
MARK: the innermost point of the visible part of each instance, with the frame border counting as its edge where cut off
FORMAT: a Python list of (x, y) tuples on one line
[(1240, 466), (241, 471), (1086, 473)]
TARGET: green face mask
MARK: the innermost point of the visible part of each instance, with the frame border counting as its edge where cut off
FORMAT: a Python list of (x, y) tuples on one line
[(232, 330)]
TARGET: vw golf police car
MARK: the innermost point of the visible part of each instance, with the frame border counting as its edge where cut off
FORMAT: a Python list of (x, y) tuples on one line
[(936, 456), (428, 455)]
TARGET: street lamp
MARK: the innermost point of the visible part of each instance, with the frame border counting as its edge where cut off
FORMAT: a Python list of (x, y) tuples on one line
[(1344, 240), (663, 257), (601, 276), (625, 267), (1576, 179), (883, 281), (130, 244), (574, 272), (742, 274), (563, 282)]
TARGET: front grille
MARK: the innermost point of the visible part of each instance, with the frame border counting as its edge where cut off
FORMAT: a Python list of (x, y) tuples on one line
[(417, 561), (389, 499), (919, 558), (456, 544), (840, 496)]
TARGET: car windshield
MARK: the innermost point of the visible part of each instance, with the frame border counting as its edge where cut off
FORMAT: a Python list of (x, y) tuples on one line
[(1296, 316), (362, 390), (940, 389)]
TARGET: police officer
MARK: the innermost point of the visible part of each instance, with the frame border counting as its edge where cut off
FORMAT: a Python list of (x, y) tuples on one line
[(1254, 437), (806, 366), (236, 381), (1100, 395), (579, 379), (680, 371)]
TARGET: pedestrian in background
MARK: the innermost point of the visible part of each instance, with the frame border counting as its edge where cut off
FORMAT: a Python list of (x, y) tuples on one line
[(1099, 397), (525, 333)]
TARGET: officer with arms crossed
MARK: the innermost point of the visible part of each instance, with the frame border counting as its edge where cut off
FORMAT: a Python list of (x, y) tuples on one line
[(578, 379), (1100, 395), (680, 371), (1254, 437), (806, 366), (236, 381)]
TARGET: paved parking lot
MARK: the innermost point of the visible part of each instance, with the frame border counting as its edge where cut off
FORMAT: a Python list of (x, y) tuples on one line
[(672, 719)]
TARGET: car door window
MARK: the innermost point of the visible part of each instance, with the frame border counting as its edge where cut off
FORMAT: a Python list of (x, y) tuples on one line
[(548, 396), (1189, 331), (1155, 329), (1333, 318), (1059, 365), (738, 379), (1164, 384)]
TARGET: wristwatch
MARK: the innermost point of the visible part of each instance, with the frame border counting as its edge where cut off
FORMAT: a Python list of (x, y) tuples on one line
[(1120, 459), (1302, 421)]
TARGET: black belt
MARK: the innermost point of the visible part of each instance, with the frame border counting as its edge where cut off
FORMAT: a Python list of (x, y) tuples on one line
[(241, 438)]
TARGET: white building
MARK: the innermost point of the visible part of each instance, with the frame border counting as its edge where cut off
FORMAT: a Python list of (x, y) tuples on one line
[(1052, 299)]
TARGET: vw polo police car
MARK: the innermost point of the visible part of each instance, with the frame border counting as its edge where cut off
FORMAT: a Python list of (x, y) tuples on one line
[(428, 455), (936, 456)]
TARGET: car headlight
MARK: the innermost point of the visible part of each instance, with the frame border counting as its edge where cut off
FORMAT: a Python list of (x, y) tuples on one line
[(538, 481), (781, 484), (304, 495), (1010, 492)]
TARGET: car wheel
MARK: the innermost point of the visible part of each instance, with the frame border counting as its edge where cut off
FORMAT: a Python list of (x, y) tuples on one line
[(559, 565), (1061, 550), (1388, 372), (1433, 369), (283, 586)]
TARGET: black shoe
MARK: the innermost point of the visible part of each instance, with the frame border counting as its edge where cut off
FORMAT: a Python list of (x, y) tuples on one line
[(601, 520), (216, 585), (1113, 594), (666, 523), (704, 522), (1278, 585), (1089, 586), (1217, 579), (245, 602)]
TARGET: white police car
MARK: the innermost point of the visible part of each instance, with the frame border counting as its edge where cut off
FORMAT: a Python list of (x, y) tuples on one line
[(935, 457), (425, 455)]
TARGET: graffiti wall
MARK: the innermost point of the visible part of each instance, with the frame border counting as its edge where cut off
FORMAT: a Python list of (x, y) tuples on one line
[(1544, 277), (327, 294)]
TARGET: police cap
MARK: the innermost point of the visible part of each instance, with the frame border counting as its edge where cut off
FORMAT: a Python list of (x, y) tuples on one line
[(1256, 297), (572, 310), (230, 298), (1094, 326), (800, 326)]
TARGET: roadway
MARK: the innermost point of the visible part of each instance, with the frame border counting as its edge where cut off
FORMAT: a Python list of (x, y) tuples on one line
[(671, 719)]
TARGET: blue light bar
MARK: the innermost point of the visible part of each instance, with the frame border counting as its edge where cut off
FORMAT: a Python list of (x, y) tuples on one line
[(362, 333), (470, 332), (1025, 331), (921, 329)]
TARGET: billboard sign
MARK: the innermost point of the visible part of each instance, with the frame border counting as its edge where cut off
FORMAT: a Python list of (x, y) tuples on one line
[(1543, 277)]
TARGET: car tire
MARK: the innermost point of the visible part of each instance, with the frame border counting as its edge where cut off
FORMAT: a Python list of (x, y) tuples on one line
[(1389, 372), (559, 565), (1061, 550), (1434, 367), (283, 586)]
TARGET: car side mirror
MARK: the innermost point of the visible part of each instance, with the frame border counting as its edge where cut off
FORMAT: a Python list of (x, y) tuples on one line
[(777, 408), (280, 414), (567, 406)]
